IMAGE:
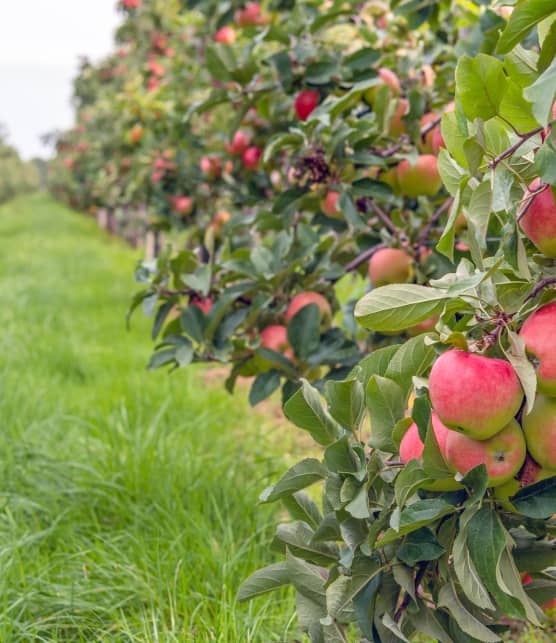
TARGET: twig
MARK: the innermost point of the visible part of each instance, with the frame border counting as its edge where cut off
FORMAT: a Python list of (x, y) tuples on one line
[(543, 283), (426, 230), (430, 126), (383, 217), (513, 148)]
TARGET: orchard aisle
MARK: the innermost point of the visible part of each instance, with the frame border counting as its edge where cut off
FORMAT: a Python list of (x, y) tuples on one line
[(127, 499)]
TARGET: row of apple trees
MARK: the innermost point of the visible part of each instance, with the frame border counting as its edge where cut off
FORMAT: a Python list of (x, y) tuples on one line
[(357, 193), (16, 176)]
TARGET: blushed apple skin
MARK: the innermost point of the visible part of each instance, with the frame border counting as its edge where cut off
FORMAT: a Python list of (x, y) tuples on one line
[(303, 299), (411, 447), (420, 179), (388, 77), (503, 454), (539, 335), (473, 394), (539, 427), (275, 337), (539, 220), (329, 205), (390, 266)]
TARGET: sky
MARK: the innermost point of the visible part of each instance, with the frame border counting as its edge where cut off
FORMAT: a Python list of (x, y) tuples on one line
[(40, 45)]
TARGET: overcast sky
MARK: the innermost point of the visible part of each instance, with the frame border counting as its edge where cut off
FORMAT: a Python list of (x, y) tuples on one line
[(40, 43)]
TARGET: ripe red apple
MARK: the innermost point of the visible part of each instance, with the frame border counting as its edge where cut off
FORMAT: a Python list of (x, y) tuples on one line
[(136, 134), (251, 157), (156, 68), (157, 176), (250, 15), (539, 334), (388, 77), (390, 266), (474, 394), (305, 102), (275, 337), (329, 205), (540, 432), (225, 36), (303, 299), (211, 166), (183, 204), (538, 221), (421, 179), (426, 144), (240, 142), (203, 303), (503, 454), (131, 4)]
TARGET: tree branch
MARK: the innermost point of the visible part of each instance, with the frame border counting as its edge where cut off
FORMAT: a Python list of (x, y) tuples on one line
[(543, 283), (383, 217), (523, 138)]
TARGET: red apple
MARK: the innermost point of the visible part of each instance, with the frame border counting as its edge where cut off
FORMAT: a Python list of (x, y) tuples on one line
[(503, 454), (426, 144), (251, 157), (329, 205), (225, 36), (250, 15), (387, 77), (275, 337), (303, 299), (390, 266), (424, 327), (474, 394), (539, 334), (131, 4), (136, 134), (397, 126), (183, 204), (420, 179), (156, 68), (211, 166), (305, 103), (240, 142), (203, 303), (539, 427), (538, 220)]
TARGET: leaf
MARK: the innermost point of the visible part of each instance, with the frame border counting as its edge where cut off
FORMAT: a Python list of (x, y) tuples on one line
[(264, 580), (480, 85), (418, 546), (417, 515), (537, 500), (445, 244), (541, 93), (412, 359), (264, 386), (346, 402), (341, 458), (524, 17), (398, 306), (545, 159), (300, 476), (301, 507), (517, 357), (376, 363), (449, 599), (426, 621), (386, 404), (341, 593), (305, 410), (478, 213), (409, 479), (306, 578), (548, 49), (297, 537), (304, 331), (192, 322)]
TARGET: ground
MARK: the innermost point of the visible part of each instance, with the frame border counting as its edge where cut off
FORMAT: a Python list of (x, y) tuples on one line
[(128, 499)]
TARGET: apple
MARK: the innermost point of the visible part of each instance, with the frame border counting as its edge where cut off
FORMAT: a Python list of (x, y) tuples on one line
[(156, 68), (131, 4), (397, 126), (538, 220), (225, 36), (539, 427), (426, 144), (183, 204), (250, 15), (240, 142), (202, 303), (329, 205), (135, 134), (420, 179), (211, 166), (387, 77), (390, 266), (473, 394), (303, 299), (305, 102), (503, 454), (539, 334), (251, 157), (157, 176), (275, 337), (153, 84)]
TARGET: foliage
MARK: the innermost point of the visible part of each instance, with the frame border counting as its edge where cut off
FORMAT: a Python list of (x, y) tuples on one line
[(16, 176)]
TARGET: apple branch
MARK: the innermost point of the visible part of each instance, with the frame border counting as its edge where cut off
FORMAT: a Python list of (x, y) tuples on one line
[(523, 138), (383, 217), (543, 283)]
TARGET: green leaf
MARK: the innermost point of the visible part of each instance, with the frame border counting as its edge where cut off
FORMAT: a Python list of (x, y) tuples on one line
[(346, 402), (410, 478), (341, 593), (418, 546), (524, 17), (545, 159), (386, 404), (304, 409), (548, 49), (449, 599), (376, 363), (341, 458), (537, 500), (264, 580), (412, 359), (541, 93), (517, 356), (297, 537), (301, 507), (306, 578), (480, 85), (398, 306), (426, 621), (192, 322), (304, 331), (417, 515), (264, 386), (300, 476), (478, 213), (445, 244)]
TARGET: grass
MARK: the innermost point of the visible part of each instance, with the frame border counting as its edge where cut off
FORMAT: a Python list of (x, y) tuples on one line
[(127, 499)]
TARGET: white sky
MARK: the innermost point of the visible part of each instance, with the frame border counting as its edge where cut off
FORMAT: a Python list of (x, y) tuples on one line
[(40, 43)]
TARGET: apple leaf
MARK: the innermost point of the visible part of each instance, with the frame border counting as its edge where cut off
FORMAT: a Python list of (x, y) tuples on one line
[(524, 17)]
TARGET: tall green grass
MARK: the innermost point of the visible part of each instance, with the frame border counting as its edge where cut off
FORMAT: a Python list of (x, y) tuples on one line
[(127, 499)]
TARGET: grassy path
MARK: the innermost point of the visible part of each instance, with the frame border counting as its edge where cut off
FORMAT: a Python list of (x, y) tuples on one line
[(127, 498)]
